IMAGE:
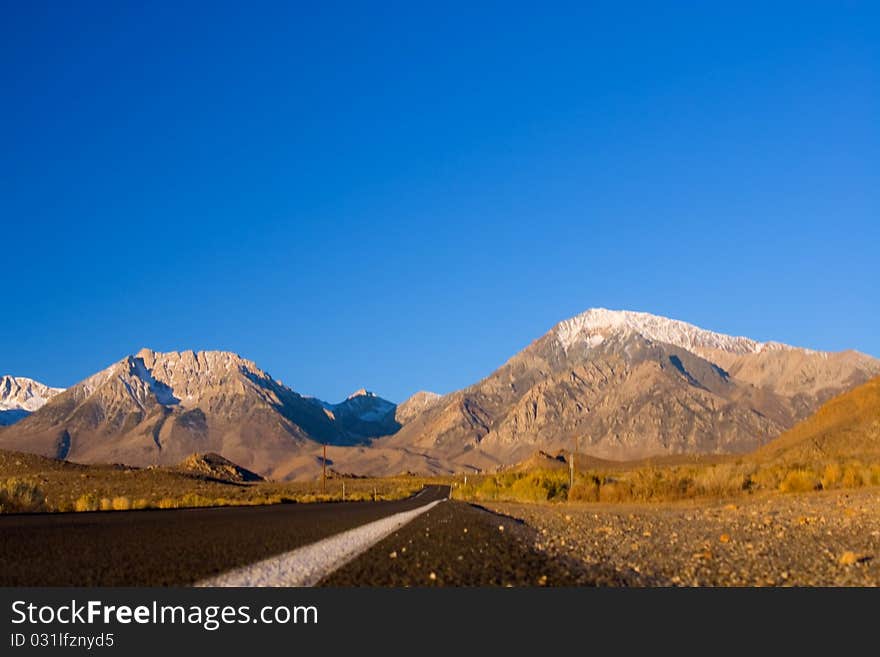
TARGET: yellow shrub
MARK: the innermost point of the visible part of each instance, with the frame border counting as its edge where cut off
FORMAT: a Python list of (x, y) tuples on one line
[(140, 503), (528, 489), (21, 496), (768, 478), (832, 475), (721, 479), (585, 491), (798, 481), (121, 504), (167, 503), (106, 504), (487, 490), (852, 477), (615, 491), (86, 503)]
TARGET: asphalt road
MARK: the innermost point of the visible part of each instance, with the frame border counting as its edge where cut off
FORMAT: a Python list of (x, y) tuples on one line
[(171, 547)]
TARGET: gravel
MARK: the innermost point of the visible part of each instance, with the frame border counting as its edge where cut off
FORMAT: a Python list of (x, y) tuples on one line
[(456, 544), (812, 539)]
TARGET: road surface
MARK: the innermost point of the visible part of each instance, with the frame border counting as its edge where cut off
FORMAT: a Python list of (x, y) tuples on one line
[(172, 547)]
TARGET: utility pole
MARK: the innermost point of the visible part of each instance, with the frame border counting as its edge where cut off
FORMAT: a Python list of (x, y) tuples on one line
[(324, 471)]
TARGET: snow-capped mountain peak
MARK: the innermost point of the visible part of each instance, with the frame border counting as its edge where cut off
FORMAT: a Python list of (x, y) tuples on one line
[(596, 324), (21, 393), (20, 396), (361, 392)]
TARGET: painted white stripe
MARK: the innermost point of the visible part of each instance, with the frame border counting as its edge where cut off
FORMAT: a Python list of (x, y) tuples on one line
[(307, 565)]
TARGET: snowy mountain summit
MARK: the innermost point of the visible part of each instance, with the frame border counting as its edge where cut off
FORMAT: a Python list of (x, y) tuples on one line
[(596, 324), (18, 392), (20, 396)]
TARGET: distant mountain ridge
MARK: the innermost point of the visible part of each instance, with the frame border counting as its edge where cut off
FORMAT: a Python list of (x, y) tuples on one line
[(157, 408), (21, 396), (626, 385), (362, 416), (618, 385)]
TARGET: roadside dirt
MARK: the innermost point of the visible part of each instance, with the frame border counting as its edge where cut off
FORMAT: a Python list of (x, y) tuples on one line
[(456, 544), (812, 539)]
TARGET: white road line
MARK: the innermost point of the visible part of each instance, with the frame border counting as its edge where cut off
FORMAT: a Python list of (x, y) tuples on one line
[(307, 565)]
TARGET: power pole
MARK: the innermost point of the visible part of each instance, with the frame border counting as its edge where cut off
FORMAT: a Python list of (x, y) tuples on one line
[(324, 471)]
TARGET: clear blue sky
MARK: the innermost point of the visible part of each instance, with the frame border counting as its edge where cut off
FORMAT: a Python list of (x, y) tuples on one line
[(401, 198)]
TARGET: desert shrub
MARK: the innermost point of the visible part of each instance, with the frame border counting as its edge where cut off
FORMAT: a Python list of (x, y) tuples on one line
[(799, 481), (507, 479), (106, 504), (658, 484), (721, 479), (86, 502), (768, 478), (831, 475), (140, 503), (614, 490), (21, 496), (852, 476), (585, 490), (529, 489), (196, 500), (120, 504), (487, 490), (167, 503)]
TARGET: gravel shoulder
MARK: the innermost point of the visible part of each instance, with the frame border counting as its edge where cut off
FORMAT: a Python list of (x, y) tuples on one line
[(456, 544), (812, 539)]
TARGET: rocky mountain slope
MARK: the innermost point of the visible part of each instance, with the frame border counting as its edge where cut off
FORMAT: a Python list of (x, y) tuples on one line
[(846, 427), (414, 406), (158, 408), (20, 396), (627, 385)]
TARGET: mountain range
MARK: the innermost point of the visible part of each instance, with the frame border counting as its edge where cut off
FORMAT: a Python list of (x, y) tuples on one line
[(613, 384), (626, 385)]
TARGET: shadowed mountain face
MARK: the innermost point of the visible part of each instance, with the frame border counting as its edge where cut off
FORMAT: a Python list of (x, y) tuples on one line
[(362, 417), (631, 385)]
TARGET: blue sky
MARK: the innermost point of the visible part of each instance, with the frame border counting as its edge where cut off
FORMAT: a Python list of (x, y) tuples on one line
[(402, 199)]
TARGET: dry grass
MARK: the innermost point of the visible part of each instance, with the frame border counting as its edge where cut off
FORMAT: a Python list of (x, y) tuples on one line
[(668, 483), (32, 483)]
